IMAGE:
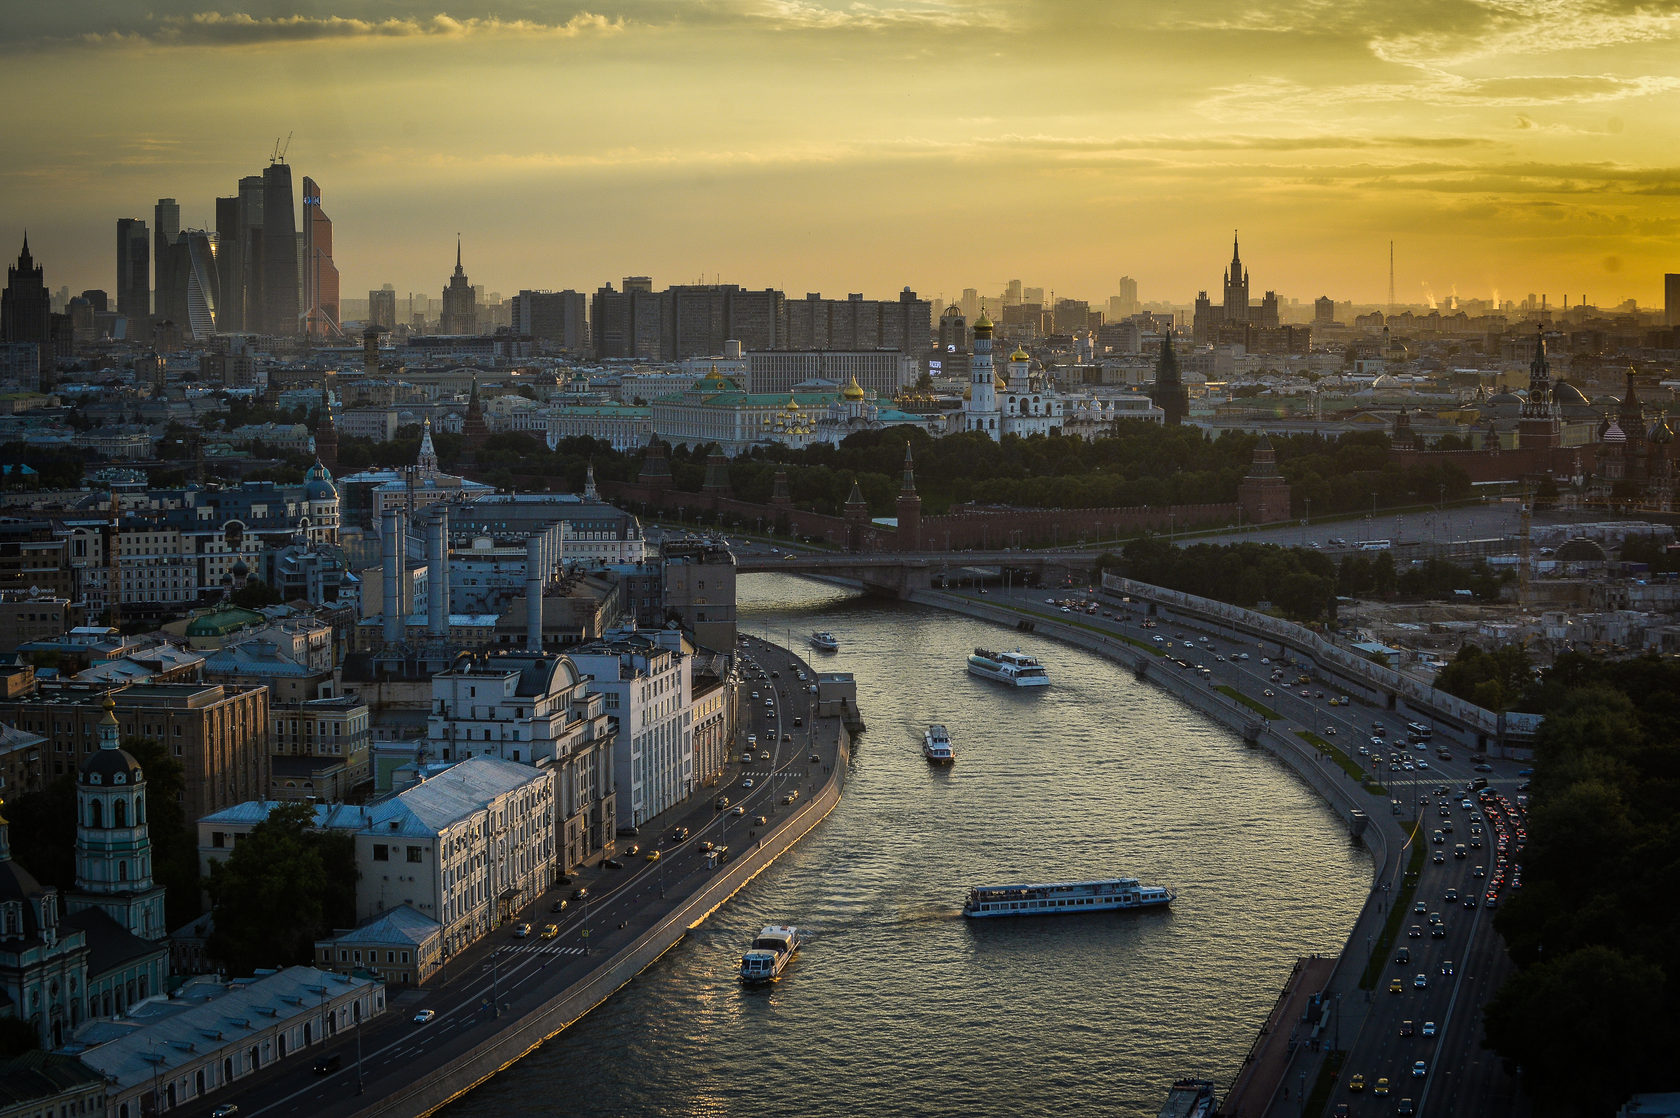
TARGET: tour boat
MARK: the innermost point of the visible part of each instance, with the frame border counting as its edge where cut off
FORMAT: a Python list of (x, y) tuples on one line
[(1014, 668), (1064, 897), (936, 746), (825, 640), (1190, 1098), (769, 954)]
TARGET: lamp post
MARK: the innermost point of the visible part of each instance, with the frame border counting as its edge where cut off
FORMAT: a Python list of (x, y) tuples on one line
[(356, 1008)]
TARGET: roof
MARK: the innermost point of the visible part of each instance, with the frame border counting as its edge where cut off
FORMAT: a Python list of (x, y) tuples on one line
[(110, 945), (403, 924), (41, 1075)]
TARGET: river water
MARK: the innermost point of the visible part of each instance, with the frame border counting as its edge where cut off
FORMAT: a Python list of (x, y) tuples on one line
[(897, 1005)]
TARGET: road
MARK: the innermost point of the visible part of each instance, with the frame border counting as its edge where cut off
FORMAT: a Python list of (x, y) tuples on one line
[(1461, 1077), (505, 973)]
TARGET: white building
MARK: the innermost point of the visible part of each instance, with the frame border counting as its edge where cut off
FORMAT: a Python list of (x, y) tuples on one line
[(1022, 405), (625, 426), (649, 691)]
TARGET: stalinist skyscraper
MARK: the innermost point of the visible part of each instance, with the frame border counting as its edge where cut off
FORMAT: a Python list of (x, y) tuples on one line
[(460, 302), (1236, 286)]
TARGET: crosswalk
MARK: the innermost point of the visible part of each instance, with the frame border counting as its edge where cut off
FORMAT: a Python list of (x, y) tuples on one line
[(538, 947)]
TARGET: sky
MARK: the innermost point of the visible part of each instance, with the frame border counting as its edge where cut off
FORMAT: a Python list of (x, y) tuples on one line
[(820, 145)]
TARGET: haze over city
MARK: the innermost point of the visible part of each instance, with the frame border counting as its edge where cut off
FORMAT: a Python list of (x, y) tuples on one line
[(849, 147)]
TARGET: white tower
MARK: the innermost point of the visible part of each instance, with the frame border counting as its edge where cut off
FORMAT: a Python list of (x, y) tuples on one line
[(982, 383), (113, 846)]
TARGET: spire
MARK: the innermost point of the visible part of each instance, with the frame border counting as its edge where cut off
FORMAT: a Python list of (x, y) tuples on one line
[(855, 497), (909, 470), (458, 254), (427, 458), (108, 725), (589, 481), (1236, 257)]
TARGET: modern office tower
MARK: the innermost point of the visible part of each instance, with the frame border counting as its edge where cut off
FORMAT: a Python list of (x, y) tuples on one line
[(320, 274), (250, 231), (134, 268), (1032, 295), (460, 302), (230, 309), (970, 303), (1128, 297), (197, 248), (382, 308), (1070, 315), (170, 304), (1013, 293), (279, 253), (1324, 311), (555, 316), (1671, 298)]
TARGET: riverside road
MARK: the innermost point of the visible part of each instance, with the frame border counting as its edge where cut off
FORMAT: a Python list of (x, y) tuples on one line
[(503, 976), (1449, 976)]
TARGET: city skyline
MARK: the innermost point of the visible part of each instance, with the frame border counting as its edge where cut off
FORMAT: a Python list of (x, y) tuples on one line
[(938, 144)]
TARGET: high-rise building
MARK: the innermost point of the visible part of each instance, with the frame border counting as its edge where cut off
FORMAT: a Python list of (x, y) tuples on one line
[(1671, 298), (196, 249), (320, 274), (230, 298), (1324, 311), (169, 282), (1236, 287), (460, 302), (279, 253), (382, 308), (554, 316), (249, 262), (1128, 297), (134, 268), (26, 308)]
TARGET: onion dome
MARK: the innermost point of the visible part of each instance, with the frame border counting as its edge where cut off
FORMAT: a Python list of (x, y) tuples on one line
[(983, 322), (110, 763), (1020, 355), (1660, 431), (1612, 433), (852, 391), (240, 568)]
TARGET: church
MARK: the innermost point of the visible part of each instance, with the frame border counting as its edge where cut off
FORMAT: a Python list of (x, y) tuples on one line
[(106, 950), (1021, 405)]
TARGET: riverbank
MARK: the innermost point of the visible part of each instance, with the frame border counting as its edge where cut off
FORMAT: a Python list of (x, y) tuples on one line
[(528, 1028)]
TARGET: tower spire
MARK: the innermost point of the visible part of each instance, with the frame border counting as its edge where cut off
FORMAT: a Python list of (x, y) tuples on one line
[(909, 470), (458, 254)]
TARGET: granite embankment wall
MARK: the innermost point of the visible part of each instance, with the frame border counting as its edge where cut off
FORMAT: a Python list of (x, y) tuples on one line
[(435, 1088)]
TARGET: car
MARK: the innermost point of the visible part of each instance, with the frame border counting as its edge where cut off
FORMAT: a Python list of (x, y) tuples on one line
[(1330, 731), (1407, 1028), (1415, 931), (581, 893), (1450, 896), (679, 834), (558, 906), (611, 864), (1429, 1028), (775, 675), (746, 758), (740, 810), (1268, 693), (1421, 907), (1484, 768), (1382, 1086), (1439, 858), (229, 1109), (1479, 871), (632, 850), (1396, 987), (1421, 981), (551, 930), (722, 802), (790, 797), (787, 737), (1439, 931), (761, 820), (521, 930), (1419, 1069), (755, 696), (747, 783), (1470, 901), (326, 1065), (1357, 1083), (816, 758), (1434, 917), (1422, 764)]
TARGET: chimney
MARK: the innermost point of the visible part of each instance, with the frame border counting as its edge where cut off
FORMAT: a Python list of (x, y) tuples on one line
[(437, 572), (391, 545), (533, 592)]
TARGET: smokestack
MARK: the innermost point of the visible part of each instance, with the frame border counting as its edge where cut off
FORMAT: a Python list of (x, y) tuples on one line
[(533, 593), (391, 543), (437, 572)]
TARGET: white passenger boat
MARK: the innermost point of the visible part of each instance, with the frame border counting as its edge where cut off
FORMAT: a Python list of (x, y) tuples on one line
[(825, 640), (936, 746), (770, 954), (1064, 897), (1014, 668)]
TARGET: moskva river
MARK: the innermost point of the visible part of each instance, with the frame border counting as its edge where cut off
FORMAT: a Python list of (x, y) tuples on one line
[(897, 1005)]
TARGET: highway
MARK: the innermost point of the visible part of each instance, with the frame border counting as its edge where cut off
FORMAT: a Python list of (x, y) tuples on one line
[(1460, 1076), (505, 973)]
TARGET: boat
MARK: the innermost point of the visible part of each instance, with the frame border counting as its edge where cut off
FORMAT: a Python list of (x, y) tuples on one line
[(769, 954), (936, 746), (1190, 1098), (1014, 668), (825, 640), (1064, 897)]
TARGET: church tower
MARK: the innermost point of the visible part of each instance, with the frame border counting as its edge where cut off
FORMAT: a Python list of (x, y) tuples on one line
[(1537, 426), (1169, 392), (909, 507), (982, 410), (427, 460), (113, 846)]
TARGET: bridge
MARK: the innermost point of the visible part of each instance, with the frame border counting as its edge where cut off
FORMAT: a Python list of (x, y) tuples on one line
[(899, 572)]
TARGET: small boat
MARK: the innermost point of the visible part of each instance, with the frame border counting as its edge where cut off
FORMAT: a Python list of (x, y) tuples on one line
[(770, 954), (825, 640), (1190, 1098), (1014, 668), (936, 746), (1064, 897)]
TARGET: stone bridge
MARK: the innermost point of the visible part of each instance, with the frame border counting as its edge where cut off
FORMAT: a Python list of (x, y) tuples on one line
[(897, 573)]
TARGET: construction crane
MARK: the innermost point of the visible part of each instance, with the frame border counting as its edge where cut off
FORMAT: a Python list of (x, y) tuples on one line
[(280, 149)]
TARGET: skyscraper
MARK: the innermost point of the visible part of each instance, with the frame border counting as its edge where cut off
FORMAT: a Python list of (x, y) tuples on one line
[(320, 274), (1324, 311), (134, 268), (1128, 295), (26, 307), (249, 262), (279, 253), (168, 276), (460, 304), (230, 298), (197, 249), (382, 307), (1236, 287), (1671, 298)]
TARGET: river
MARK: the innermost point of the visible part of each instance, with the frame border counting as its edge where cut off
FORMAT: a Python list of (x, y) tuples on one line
[(896, 1005)]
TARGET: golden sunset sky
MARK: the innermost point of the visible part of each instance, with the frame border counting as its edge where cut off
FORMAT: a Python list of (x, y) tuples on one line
[(818, 145)]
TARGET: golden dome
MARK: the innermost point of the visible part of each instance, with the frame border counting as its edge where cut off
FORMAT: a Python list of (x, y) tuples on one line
[(793, 405), (983, 323), (999, 382), (1019, 355), (968, 393), (852, 391)]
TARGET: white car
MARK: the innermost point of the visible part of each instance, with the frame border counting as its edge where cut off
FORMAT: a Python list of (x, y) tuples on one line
[(747, 783), (424, 1016)]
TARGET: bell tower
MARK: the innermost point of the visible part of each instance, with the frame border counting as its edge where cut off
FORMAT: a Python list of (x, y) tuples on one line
[(113, 843)]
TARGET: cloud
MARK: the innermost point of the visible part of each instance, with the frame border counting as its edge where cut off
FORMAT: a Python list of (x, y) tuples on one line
[(238, 29)]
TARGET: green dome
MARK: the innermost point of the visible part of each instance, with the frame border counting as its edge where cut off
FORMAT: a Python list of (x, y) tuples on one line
[(221, 622)]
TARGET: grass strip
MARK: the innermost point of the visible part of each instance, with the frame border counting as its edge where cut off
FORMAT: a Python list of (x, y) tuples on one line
[(1072, 624), (1346, 763), (1255, 705), (1329, 1074), (1384, 946)]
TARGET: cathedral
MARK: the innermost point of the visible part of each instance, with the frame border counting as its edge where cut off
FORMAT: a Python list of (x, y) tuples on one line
[(1021, 405), (106, 950)]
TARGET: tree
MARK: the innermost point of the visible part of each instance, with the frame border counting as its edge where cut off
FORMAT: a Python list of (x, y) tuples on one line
[(174, 841), (282, 887), (255, 594)]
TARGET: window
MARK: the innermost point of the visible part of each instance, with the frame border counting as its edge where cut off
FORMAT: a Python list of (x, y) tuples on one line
[(381, 852), (414, 854)]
